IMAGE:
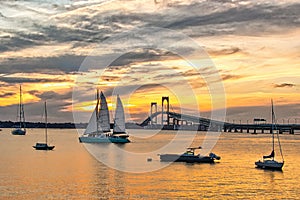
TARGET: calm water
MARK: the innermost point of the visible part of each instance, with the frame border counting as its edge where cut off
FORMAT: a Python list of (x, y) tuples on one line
[(70, 172)]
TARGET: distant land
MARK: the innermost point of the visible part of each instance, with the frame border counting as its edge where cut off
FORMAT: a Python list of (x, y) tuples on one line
[(65, 125)]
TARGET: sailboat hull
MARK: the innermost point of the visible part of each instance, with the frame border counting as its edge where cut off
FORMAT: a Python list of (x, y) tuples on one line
[(18, 132), (119, 140), (43, 146), (103, 139), (92, 139), (269, 164)]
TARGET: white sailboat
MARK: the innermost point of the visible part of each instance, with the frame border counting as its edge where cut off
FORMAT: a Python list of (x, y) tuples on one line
[(119, 132), (269, 161), (98, 127), (44, 146), (20, 129)]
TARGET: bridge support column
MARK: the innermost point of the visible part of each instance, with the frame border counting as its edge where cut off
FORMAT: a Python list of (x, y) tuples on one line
[(155, 107), (163, 99)]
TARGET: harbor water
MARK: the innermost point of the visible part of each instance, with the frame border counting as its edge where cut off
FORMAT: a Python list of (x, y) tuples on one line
[(71, 172)]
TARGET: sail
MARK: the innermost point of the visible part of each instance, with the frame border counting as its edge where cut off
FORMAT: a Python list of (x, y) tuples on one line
[(103, 115), (270, 156), (92, 126), (119, 123)]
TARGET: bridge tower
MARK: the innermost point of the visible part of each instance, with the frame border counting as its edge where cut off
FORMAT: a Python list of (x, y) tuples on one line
[(155, 107), (163, 99)]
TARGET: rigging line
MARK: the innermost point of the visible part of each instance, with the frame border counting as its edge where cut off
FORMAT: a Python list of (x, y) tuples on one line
[(280, 149), (42, 115), (172, 108)]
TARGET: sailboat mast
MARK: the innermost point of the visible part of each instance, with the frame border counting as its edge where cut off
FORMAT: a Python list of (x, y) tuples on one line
[(97, 110), (20, 107), (46, 121), (272, 128)]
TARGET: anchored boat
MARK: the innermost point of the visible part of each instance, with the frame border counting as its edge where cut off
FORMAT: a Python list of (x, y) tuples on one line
[(119, 132), (190, 157), (20, 129), (44, 146), (269, 161), (98, 129)]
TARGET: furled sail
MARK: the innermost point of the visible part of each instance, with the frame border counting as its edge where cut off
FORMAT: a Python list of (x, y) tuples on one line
[(119, 122), (103, 115), (270, 156)]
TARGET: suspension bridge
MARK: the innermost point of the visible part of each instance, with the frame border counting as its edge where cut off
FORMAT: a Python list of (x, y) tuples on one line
[(176, 121)]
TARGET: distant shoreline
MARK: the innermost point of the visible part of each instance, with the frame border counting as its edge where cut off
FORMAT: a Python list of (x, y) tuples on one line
[(65, 125)]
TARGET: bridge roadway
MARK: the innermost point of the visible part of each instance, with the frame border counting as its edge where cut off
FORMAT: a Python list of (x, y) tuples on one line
[(201, 123)]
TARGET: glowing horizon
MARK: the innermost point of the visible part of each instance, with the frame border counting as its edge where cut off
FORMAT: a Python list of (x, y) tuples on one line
[(252, 50)]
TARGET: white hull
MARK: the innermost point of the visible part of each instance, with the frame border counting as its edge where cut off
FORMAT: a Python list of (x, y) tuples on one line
[(104, 139), (94, 139)]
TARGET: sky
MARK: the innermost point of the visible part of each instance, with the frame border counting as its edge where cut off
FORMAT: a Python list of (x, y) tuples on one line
[(206, 55)]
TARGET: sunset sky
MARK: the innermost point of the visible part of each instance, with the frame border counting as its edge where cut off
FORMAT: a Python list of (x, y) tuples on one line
[(61, 51)]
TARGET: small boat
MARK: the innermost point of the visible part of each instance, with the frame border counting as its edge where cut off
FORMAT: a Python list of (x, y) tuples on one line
[(44, 146), (98, 127), (189, 157), (119, 132), (269, 161), (20, 129)]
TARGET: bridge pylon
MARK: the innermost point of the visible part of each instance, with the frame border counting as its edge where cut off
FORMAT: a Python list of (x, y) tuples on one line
[(151, 113), (163, 99)]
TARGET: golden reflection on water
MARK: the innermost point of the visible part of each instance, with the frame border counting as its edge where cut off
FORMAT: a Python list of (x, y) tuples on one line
[(70, 172)]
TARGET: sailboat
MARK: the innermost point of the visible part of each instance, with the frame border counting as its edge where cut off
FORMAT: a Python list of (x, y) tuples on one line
[(119, 132), (20, 129), (98, 127), (44, 146), (269, 161)]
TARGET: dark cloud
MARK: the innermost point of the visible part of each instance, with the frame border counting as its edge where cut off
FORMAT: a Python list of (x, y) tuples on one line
[(226, 51), (231, 77), (29, 80), (21, 40), (51, 95), (95, 26), (6, 94), (2, 16), (282, 85), (143, 55), (49, 65), (279, 15)]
